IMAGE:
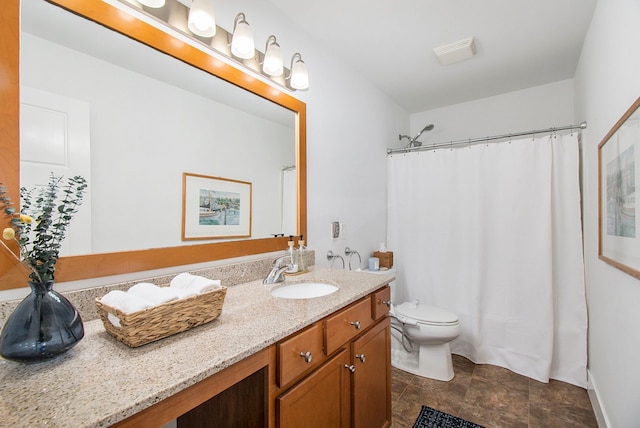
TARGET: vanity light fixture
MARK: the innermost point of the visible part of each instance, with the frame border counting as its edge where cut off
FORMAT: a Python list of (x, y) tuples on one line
[(202, 21), (152, 3), (272, 64), (242, 44), (197, 23), (299, 77)]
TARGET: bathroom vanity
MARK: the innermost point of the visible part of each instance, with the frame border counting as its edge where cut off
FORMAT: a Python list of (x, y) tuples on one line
[(266, 361)]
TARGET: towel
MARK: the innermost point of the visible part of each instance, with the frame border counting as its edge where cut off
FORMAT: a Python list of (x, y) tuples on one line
[(125, 302), (181, 280), (187, 285), (153, 294)]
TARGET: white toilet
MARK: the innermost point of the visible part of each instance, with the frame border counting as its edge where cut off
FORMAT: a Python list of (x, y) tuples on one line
[(429, 330)]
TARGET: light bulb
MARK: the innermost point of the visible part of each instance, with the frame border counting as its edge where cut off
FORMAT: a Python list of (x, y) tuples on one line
[(299, 74), (201, 20), (242, 44), (272, 64)]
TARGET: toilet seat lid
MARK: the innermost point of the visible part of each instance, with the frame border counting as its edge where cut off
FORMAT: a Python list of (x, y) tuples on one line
[(426, 313)]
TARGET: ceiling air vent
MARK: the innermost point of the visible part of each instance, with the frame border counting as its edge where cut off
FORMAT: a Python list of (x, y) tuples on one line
[(456, 51)]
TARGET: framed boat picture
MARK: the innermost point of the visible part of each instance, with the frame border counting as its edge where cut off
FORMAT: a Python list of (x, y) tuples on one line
[(215, 207), (618, 156)]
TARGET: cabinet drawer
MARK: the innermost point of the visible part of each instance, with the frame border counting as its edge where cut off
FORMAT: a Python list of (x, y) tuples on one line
[(380, 302), (347, 323), (299, 353)]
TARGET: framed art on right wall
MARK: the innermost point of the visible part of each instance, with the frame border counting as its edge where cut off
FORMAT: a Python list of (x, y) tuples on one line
[(618, 157)]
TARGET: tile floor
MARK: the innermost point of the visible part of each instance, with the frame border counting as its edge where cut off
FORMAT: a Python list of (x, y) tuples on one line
[(491, 396)]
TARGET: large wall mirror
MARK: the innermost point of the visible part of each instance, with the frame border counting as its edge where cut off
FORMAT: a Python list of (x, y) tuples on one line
[(141, 108)]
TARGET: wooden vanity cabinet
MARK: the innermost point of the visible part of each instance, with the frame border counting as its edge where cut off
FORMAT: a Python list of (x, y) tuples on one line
[(299, 353), (347, 323), (353, 386), (321, 399), (371, 356), (333, 373), (380, 303)]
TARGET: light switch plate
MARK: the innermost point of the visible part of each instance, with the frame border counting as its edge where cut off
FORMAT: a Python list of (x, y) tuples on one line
[(335, 229)]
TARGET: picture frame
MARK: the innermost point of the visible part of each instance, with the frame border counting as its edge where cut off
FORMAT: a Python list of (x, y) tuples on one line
[(215, 207), (618, 179)]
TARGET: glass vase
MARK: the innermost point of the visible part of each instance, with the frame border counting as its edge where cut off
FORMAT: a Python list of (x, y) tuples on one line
[(43, 325)]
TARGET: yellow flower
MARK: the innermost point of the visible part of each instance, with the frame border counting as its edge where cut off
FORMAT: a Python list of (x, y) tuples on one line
[(8, 234), (25, 219)]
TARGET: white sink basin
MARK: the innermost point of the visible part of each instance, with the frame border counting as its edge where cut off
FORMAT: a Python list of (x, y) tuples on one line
[(304, 290)]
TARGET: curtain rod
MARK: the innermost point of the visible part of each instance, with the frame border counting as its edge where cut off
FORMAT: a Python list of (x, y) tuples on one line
[(470, 141)]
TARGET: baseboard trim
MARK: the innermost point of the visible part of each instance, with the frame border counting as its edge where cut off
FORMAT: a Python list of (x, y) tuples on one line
[(598, 409)]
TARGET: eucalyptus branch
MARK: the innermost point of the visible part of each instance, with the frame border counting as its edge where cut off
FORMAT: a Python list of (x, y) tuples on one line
[(74, 193), (40, 243)]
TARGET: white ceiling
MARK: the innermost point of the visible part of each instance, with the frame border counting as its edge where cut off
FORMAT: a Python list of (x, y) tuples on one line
[(520, 43)]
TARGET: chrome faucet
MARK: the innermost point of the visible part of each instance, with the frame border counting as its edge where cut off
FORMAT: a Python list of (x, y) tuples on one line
[(277, 270)]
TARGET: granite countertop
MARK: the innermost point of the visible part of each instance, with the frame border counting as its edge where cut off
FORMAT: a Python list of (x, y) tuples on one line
[(102, 381)]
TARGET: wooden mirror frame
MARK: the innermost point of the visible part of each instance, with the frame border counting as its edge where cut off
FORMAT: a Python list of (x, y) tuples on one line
[(103, 264)]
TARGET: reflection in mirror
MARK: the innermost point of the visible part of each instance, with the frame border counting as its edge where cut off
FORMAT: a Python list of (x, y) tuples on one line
[(135, 121), (139, 161)]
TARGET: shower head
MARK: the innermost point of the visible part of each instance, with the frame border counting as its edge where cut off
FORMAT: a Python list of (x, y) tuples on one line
[(426, 128), (414, 141)]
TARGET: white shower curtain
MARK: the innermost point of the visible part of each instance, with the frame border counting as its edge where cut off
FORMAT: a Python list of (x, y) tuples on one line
[(493, 233)]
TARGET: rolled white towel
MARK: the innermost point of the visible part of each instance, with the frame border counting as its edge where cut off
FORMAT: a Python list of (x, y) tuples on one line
[(125, 302), (154, 294), (202, 285), (181, 280), (188, 285)]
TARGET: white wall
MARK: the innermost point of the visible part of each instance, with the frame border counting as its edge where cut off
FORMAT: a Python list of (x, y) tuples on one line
[(540, 107), (607, 82), (350, 124)]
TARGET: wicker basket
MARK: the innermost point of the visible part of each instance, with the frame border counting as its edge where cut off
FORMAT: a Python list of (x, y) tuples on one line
[(139, 328)]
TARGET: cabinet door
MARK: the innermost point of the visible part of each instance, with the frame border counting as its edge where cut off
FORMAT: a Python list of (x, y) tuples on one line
[(321, 400), (371, 355)]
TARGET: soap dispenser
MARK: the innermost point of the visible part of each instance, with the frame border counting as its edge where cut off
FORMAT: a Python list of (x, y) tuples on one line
[(302, 255), (291, 252)]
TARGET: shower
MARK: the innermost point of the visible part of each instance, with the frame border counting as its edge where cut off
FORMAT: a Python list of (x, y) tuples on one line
[(413, 142)]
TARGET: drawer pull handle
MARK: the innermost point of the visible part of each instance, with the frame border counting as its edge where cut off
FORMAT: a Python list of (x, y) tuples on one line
[(386, 302), (360, 357), (306, 356), (356, 324), (351, 368)]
